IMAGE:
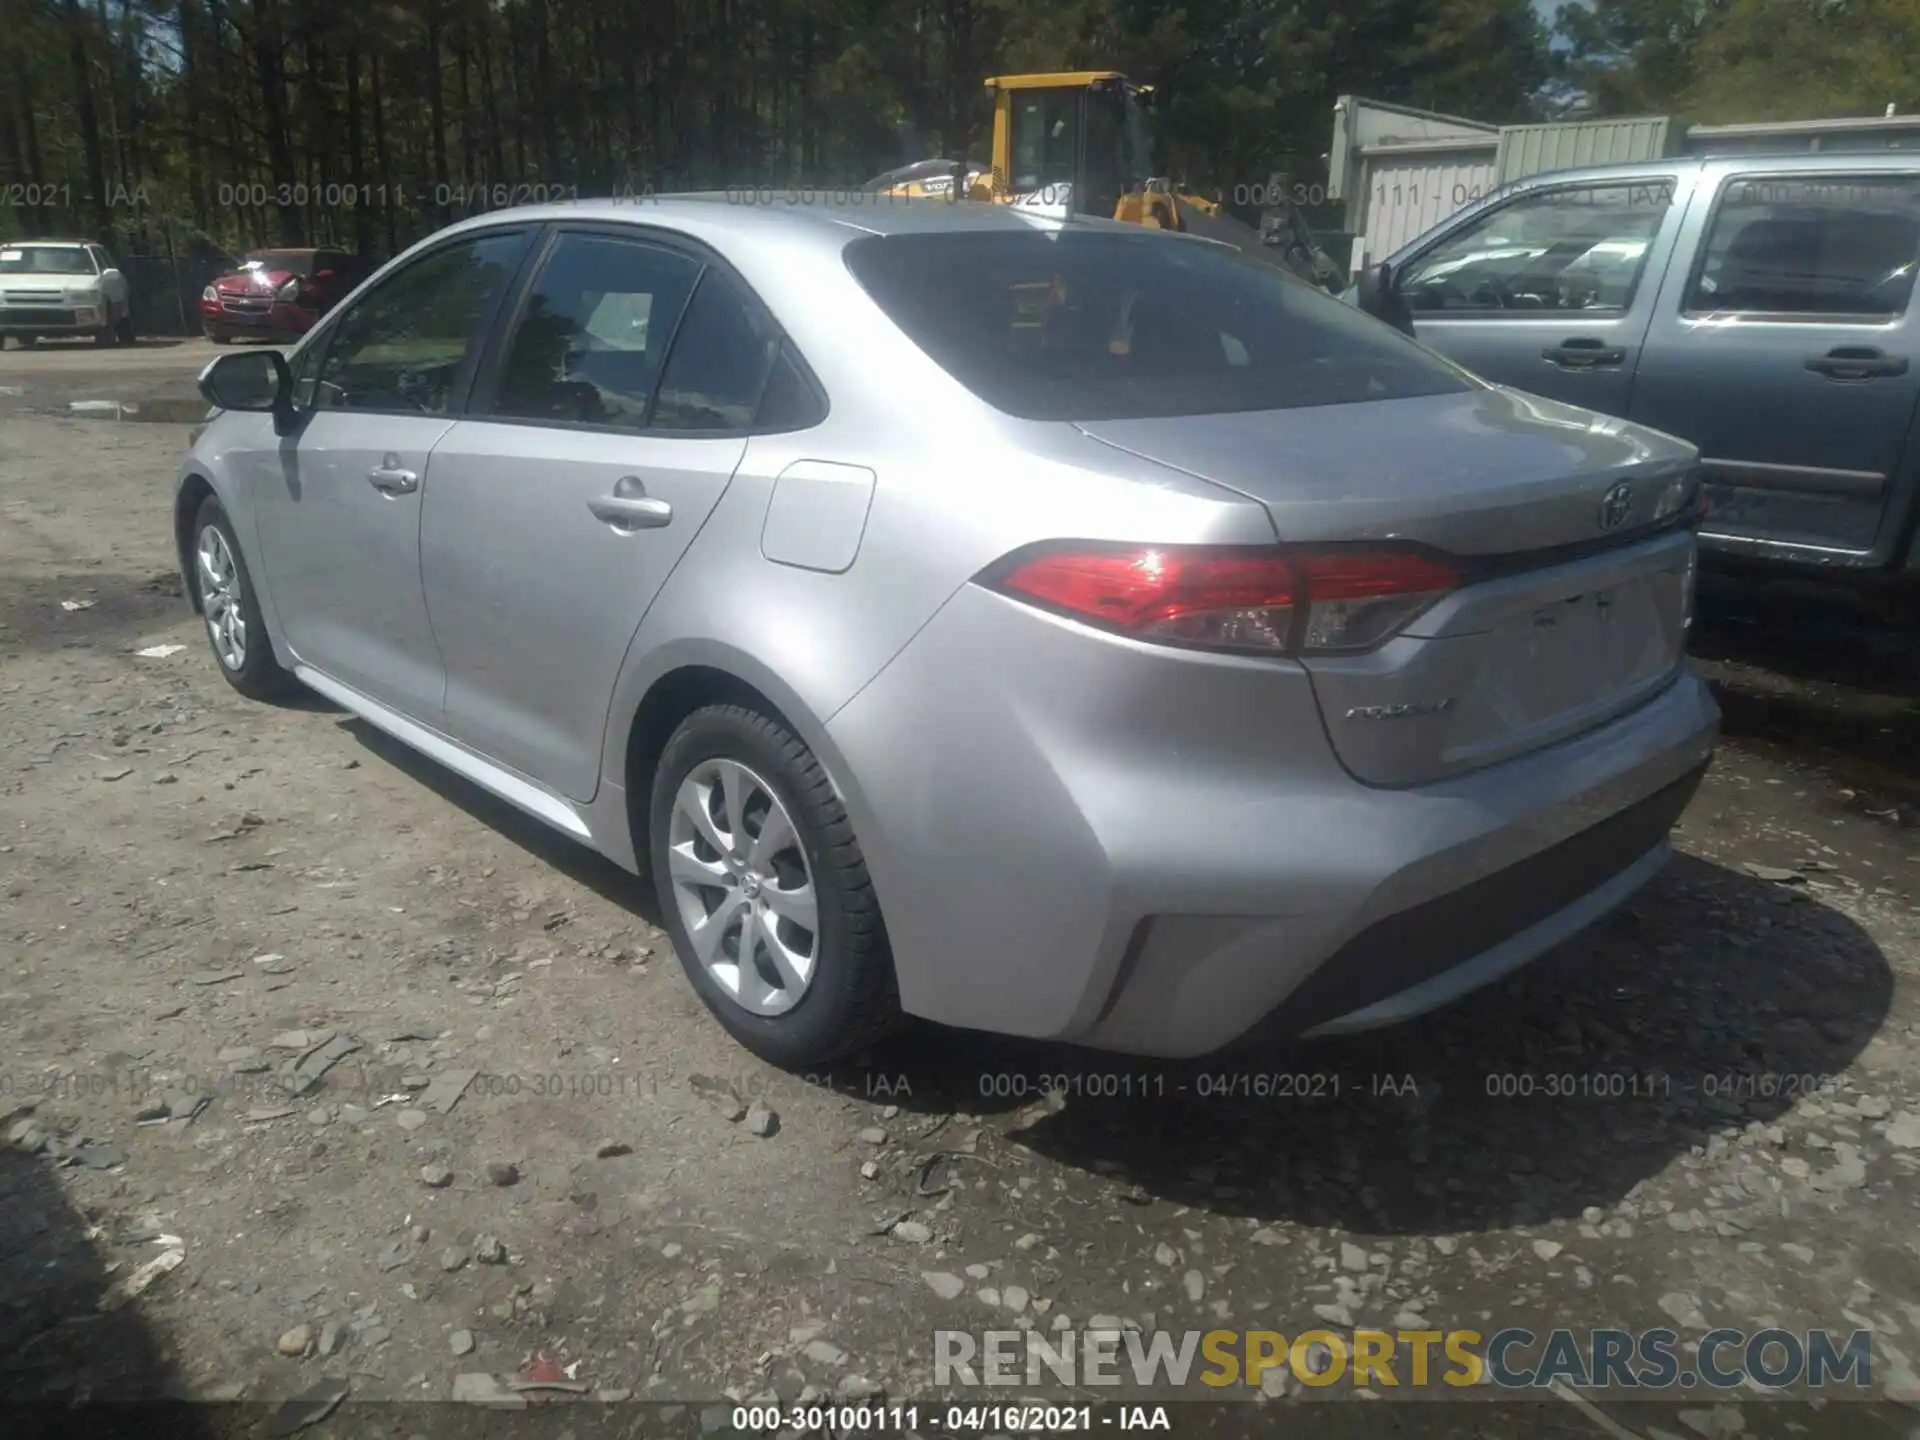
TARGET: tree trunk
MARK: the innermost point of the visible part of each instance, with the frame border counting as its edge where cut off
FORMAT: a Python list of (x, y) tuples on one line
[(357, 156), (436, 113), (382, 159), (89, 121), (269, 52)]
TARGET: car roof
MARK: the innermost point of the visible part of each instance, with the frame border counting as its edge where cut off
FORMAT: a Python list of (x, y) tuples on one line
[(1777, 162), (832, 217)]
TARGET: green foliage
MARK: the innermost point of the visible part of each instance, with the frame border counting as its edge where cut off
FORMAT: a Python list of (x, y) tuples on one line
[(1726, 61), (241, 122)]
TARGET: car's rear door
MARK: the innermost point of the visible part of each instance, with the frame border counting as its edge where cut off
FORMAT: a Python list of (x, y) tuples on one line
[(1551, 291), (600, 437), (1790, 355)]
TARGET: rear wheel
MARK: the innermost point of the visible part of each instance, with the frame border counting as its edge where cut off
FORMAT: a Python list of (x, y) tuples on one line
[(26, 342), (217, 338), (235, 627), (765, 892)]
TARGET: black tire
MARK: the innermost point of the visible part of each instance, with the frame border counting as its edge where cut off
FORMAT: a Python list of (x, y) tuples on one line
[(259, 676), (851, 999), (218, 338), (26, 342), (125, 329)]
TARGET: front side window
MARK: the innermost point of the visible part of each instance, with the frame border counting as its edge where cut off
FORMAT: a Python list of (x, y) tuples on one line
[(1831, 245), (1085, 325), (404, 346), (593, 337), (1573, 248)]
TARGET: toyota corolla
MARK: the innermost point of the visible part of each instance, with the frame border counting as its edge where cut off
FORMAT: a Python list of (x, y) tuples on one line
[(1054, 628)]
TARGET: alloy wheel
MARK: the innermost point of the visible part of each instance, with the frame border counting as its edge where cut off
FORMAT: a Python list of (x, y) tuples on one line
[(220, 597), (744, 887)]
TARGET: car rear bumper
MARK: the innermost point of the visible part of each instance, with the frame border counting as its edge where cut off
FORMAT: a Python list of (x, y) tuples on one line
[(1149, 850)]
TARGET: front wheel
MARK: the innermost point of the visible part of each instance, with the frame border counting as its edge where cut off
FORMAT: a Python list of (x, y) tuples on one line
[(235, 627), (765, 892), (124, 330)]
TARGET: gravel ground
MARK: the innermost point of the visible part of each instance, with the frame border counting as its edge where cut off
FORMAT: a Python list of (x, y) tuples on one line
[(414, 1090)]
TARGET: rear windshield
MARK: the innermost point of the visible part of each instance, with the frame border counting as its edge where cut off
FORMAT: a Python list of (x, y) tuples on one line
[(1085, 325)]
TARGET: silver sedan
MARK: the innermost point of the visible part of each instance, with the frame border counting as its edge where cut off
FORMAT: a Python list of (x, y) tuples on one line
[(1055, 628)]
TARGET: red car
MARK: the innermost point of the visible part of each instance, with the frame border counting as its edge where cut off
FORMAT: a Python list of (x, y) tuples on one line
[(277, 294)]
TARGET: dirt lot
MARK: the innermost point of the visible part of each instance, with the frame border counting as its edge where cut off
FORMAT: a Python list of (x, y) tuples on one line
[(415, 1090)]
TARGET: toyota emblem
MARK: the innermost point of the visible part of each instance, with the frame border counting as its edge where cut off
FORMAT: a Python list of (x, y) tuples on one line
[(1615, 506)]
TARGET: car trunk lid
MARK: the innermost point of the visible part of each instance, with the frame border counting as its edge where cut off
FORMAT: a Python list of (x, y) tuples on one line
[(1568, 529)]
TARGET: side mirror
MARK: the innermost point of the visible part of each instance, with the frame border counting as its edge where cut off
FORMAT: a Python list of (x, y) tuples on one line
[(1377, 292), (253, 380)]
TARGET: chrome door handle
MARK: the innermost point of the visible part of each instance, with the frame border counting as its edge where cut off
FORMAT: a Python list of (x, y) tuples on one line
[(624, 512), (392, 480), (629, 508)]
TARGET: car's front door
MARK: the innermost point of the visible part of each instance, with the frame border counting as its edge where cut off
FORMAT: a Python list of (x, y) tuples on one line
[(599, 440), (1550, 292), (1792, 358), (337, 500)]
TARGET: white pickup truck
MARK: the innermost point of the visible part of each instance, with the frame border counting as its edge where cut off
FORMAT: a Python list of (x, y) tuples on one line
[(62, 287)]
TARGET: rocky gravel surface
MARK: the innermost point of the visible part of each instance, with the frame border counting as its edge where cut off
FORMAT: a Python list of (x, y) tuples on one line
[(326, 1079)]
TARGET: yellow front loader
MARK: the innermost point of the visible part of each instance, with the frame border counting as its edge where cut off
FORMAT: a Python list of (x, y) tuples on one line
[(1079, 142)]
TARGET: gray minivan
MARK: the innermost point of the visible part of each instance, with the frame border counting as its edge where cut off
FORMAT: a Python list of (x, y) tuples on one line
[(1758, 306)]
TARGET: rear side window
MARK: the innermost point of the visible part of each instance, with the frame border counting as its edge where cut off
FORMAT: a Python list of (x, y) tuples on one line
[(1084, 325), (790, 400), (1830, 245), (590, 343), (722, 354)]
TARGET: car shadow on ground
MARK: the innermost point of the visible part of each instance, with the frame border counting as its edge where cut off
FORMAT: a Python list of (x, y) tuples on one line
[(1714, 1002), (59, 1348), (1816, 673), (575, 861)]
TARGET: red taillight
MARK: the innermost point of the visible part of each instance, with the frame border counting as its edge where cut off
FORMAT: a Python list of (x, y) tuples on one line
[(1235, 598)]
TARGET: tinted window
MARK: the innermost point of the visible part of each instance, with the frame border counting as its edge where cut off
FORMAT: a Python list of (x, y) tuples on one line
[(402, 347), (721, 356), (1582, 248), (1078, 325), (790, 401), (1045, 131), (589, 345), (1818, 245)]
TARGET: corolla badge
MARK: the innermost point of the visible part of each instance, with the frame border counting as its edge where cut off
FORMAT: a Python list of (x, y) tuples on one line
[(1615, 506)]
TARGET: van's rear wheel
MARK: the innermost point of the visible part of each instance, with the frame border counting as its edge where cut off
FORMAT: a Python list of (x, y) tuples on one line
[(765, 892)]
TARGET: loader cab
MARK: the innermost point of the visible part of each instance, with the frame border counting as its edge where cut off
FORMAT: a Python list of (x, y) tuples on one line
[(1080, 138)]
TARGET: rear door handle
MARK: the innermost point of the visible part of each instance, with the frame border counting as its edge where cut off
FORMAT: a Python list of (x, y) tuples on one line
[(1856, 362), (390, 477), (630, 508), (1584, 353)]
